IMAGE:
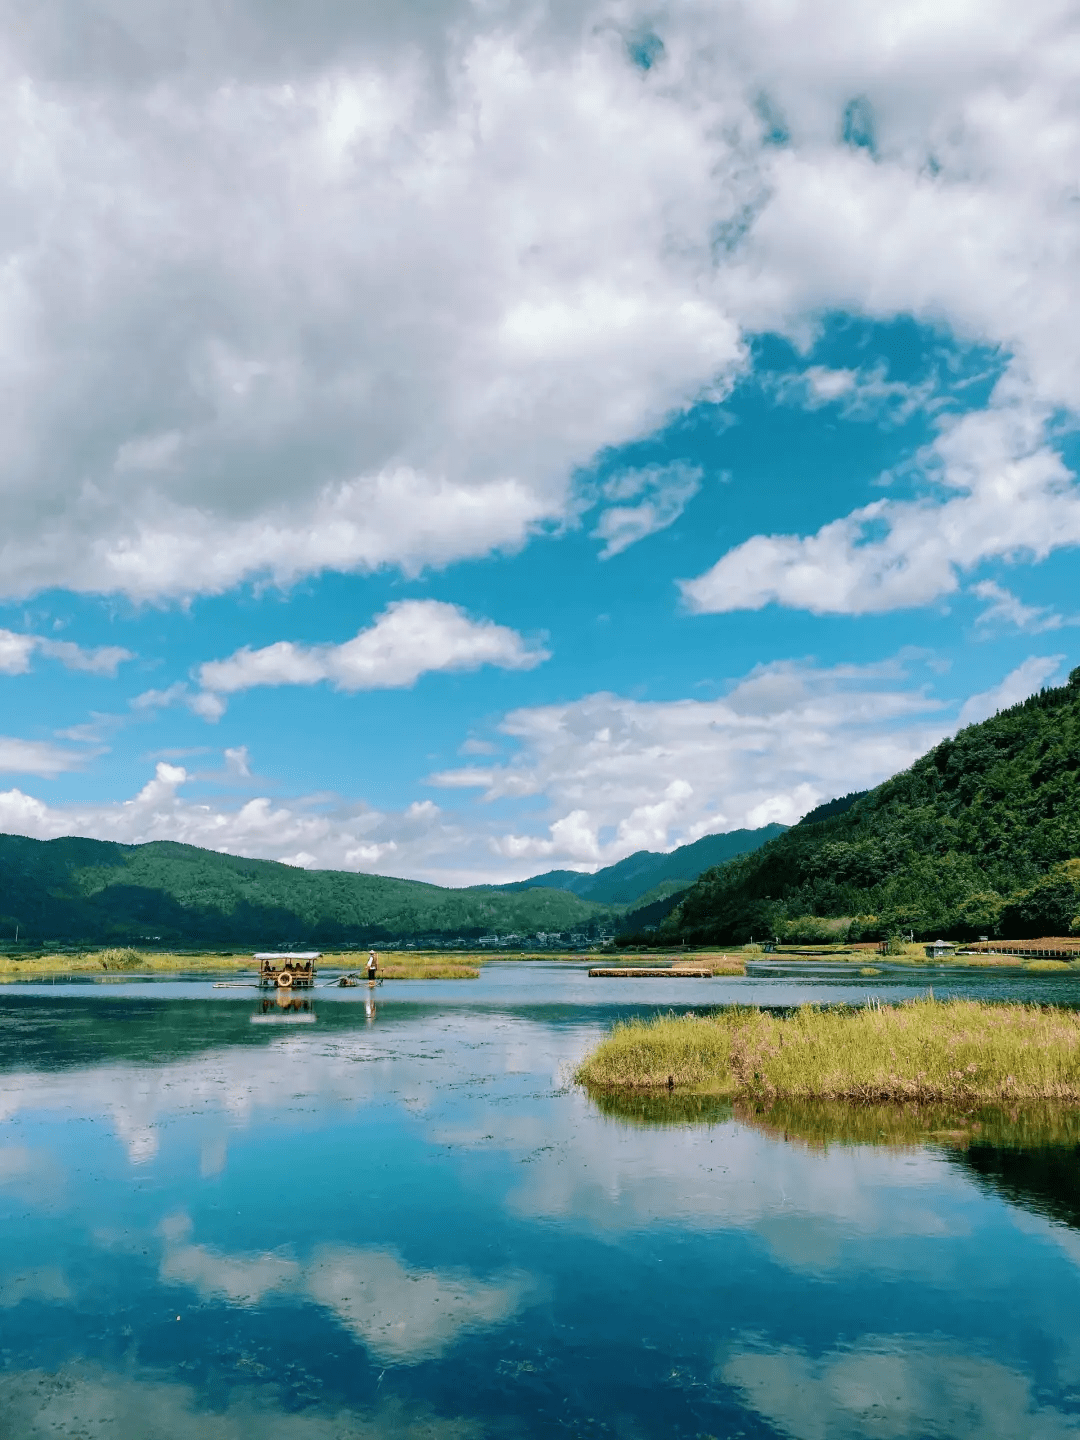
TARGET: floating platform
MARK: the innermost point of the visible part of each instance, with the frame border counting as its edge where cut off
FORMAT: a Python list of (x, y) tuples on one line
[(642, 972)]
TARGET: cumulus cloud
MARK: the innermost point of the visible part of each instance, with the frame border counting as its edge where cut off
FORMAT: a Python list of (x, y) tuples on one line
[(661, 493), (1013, 497), (615, 775), (623, 775), (360, 293), (16, 650), (309, 833), (409, 639)]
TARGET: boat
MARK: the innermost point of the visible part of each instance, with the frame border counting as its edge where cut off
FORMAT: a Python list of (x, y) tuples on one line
[(287, 969)]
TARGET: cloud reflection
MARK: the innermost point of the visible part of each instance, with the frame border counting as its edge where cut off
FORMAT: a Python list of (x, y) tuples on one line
[(890, 1389), (403, 1315), (89, 1400)]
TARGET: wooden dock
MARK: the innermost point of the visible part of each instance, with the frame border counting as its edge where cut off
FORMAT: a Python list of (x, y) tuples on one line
[(1030, 950), (642, 972)]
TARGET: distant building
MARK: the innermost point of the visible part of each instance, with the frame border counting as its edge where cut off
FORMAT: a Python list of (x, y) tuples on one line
[(939, 949)]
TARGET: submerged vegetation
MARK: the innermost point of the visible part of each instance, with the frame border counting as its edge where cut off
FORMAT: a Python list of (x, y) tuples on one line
[(956, 1052), (979, 837)]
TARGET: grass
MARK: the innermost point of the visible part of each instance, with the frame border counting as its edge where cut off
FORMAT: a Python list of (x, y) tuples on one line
[(406, 965), (910, 954), (957, 1051)]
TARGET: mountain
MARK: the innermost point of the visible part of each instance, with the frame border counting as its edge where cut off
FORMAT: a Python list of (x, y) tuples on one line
[(96, 891), (980, 836), (631, 879)]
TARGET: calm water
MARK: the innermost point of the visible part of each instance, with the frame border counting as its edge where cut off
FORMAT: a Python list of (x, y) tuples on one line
[(222, 1224)]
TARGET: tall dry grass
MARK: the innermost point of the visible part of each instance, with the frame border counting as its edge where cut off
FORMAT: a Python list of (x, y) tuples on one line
[(957, 1051)]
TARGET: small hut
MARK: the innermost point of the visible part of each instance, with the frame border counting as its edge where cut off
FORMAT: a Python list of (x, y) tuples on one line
[(940, 950), (295, 969)]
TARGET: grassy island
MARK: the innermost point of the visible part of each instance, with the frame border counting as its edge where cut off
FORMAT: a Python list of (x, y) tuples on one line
[(956, 1051)]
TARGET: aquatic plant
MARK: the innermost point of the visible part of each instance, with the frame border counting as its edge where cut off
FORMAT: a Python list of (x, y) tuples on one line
[(958, 1051)]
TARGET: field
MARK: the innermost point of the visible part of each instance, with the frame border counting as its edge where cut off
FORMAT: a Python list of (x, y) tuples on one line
[(957, 1051)]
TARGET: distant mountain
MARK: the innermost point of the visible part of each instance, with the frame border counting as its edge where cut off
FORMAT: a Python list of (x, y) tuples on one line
[(833, 807), (980, 836), (95, 891), (629, 880)]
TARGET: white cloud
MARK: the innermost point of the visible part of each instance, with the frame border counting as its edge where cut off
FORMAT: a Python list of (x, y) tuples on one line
[(1013, 497), (16, 650), (277, 305), (622, 775), (237, 761), (311, 833), (409, 639), (1006, 609), (38, 757), (207, 706), (616, 775), (859, 394), (1025, 680), (662, 493)]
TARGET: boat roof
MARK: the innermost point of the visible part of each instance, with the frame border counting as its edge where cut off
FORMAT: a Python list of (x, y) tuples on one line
[(287, 955)]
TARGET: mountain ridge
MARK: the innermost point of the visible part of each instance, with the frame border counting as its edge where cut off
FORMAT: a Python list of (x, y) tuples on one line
[(77, 889), (631, 879), (979, 836)]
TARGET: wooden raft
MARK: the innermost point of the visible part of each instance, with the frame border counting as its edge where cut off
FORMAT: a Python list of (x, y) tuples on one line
[(639, 972)]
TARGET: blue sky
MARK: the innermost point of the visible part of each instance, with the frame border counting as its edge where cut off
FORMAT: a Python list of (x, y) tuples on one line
[(513, 439)]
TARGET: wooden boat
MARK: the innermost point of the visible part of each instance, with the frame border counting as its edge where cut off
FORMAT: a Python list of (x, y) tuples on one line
[(287, 970)]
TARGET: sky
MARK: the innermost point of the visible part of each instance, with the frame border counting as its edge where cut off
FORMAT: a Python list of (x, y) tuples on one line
[(464, 440)]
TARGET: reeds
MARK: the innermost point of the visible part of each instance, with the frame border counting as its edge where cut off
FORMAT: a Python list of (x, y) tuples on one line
[(404, 965), (956, 1052)]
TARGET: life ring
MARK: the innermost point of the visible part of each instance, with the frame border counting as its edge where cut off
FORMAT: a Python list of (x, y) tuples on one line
[(284, 980)]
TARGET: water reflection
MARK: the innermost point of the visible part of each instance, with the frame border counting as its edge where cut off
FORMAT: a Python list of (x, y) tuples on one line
[(284, 1007), (405, 1220), (891, 1387)]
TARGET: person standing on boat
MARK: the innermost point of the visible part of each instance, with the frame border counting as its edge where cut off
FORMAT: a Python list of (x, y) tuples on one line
[(372, 967)]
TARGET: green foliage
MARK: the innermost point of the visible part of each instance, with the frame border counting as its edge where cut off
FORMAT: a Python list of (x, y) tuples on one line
[(973, 839), (100, 892)]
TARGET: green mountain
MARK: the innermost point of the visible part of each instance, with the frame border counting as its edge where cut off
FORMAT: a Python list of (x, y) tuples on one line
[(96, 891), (980, 836), (632, 880)]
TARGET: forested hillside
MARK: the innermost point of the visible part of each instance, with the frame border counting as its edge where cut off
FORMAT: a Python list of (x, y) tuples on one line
[(94, 890), (980, 837), (632, 881)]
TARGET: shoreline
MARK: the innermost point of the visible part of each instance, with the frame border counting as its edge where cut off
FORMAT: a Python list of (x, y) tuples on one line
[(140, 964)]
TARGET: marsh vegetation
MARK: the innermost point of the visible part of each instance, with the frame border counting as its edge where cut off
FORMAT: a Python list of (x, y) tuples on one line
[(393, 965), (957, 1051)]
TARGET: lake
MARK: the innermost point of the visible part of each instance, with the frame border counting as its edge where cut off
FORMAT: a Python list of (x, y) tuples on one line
[(401, 1219)]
